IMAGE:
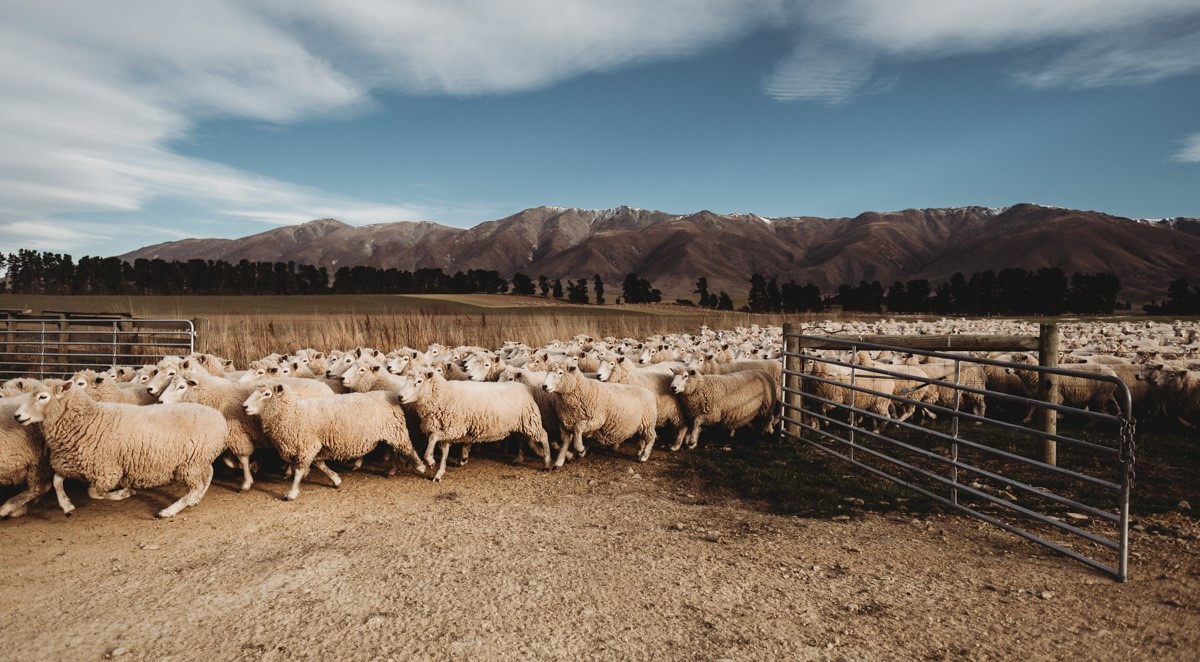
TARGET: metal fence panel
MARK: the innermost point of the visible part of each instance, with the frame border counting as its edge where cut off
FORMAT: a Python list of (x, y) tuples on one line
[(1074, 501), (55, 347)]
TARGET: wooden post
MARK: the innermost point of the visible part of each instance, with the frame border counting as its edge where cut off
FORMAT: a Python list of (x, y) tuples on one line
[(201, 326), (791, 363), (1048, 343)]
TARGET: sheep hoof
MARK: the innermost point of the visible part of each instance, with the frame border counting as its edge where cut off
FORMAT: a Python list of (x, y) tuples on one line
[(421, 468), (245, 487), (68, 511), (7, 510), (290, 497)]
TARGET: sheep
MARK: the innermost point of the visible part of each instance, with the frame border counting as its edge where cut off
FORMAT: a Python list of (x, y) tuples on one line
[(545, 401), (818, 383), (732, 400), (608, 413), (115, 447), (1180, 390), (102, 387), (670, 413), (472, 412), (18, 386), (24, 459), (309, 431), (1092, 394)]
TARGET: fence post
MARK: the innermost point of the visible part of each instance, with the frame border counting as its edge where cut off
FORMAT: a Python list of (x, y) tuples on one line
[(1048, 343), (200, 325), (791, 378)]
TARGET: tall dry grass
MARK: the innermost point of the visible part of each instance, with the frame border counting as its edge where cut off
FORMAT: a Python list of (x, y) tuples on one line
[(247, 337)]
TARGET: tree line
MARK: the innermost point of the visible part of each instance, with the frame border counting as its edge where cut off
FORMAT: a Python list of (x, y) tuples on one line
[(33, 272), (1182, 299), (1045, 291)]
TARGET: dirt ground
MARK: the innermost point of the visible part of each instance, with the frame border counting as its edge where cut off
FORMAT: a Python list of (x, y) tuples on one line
[(606, 559)]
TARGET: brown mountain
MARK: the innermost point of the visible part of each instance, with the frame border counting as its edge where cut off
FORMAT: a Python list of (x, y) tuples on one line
[(673, 251)]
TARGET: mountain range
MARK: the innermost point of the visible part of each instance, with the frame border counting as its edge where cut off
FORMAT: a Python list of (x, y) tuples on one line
[(672, 251)]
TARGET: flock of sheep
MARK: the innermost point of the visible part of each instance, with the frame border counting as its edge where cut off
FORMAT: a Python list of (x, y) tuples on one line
[(142, 427)]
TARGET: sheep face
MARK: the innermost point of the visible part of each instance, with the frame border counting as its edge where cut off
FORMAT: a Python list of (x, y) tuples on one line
[(680, 381), (478, 367), (254, 404), (399, 364), (356, 375), (33, 410), (416, 387), (606, 370), (160, 380), (341, 365), (553, 380), (174, 392)]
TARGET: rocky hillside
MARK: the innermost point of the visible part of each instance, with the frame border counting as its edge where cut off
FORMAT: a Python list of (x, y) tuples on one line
[(673, 251)]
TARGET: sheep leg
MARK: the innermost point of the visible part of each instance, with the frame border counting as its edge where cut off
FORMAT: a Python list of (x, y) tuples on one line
[(337, 480), (563, 450), (198, 481), (648, 438), (680, 435), (61, 493), (298, 474), (246, 477), (445, 447), (356, 465), (577, 441), (543, 447), (16, 506), (466, 453), (110, 495), (694, 433), (434, 438), (228, 461)]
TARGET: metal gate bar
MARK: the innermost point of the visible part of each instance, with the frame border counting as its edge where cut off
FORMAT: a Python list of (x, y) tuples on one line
[(795, 410), (55, 347)]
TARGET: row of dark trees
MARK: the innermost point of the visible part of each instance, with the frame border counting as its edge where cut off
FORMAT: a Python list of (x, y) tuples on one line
[(1182, 299), (1046, 291), (31, 272)]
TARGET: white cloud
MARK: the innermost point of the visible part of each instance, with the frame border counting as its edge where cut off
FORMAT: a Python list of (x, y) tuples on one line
[(1189, 151), (95, 94), (1079, 43)]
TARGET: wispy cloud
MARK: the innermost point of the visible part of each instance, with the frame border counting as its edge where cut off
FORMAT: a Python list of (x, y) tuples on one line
[(1189, 151), (1080, 43), (96, 93)]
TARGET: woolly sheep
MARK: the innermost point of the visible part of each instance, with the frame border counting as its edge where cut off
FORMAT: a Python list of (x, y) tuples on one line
[(115, 447), (732, 400), (608, 413), (472, 412), (24, 459), (671, 414), (309, 431), (102, 387)]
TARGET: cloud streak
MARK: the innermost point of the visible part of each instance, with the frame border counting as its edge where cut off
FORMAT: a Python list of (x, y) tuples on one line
[(1189, 152), (96, 94)]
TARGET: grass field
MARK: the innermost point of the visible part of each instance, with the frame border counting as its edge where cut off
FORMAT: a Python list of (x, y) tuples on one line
[(246, 328)]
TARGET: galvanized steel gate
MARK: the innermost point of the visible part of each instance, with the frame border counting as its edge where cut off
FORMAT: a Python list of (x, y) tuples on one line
[(1076, 503), (52, 347)]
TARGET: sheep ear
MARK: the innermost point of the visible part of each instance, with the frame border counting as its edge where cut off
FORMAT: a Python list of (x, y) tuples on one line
[(229, 363), (191, 382), (692, 372), (99, 380), (279, 388), (318, 355), (66, 386), (202, 359), (573, 368), (185, 365), (375, 368)]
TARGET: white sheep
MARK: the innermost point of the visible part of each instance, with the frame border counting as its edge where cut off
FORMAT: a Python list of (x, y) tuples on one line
[(732, 400), (472, 412), (309, 431), (115, 447), (607, 413), (671, 414), (24, 459), (103, 387)]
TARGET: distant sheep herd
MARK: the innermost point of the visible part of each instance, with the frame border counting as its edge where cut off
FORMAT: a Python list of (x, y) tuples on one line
[(132, 427)]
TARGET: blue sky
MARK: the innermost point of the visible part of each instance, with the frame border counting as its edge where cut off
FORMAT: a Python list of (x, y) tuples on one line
[(129, 123)]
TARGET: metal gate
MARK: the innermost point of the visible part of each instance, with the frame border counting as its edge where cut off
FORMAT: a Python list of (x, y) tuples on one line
[(59, 347), (1074, 500)]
